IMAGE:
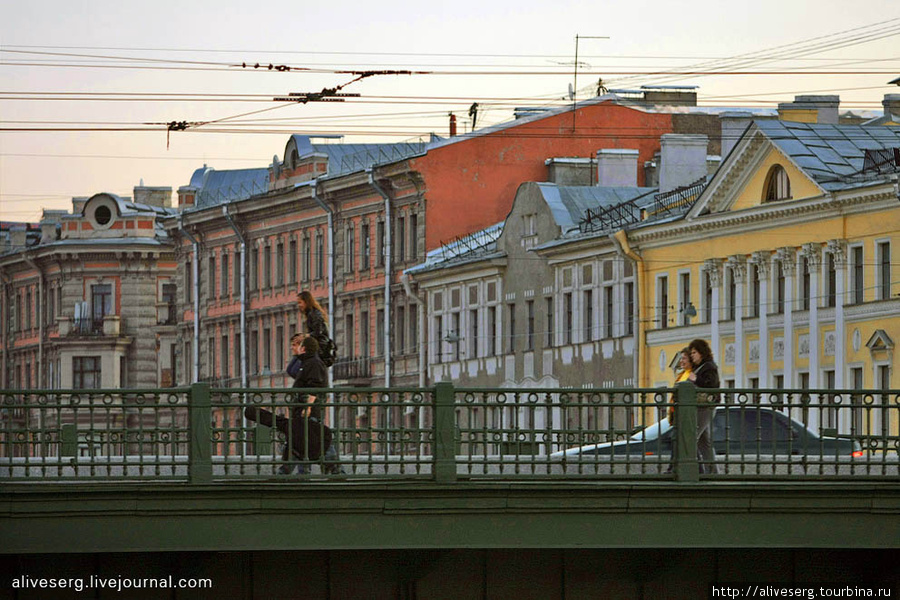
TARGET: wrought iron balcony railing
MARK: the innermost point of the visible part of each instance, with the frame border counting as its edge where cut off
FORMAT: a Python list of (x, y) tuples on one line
[(443, 434), (359, 367)]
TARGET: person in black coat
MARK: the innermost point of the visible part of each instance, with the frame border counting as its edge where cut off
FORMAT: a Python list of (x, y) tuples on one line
[(705, 375), (316, 322), (304, 429)]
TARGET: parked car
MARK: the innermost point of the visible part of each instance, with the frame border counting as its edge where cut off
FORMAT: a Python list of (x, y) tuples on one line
[(737, 430)]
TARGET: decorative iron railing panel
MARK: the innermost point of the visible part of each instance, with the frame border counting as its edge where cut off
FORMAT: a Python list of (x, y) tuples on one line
[(446, 434)]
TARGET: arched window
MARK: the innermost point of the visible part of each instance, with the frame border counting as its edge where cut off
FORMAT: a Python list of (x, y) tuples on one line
[(778, 186)]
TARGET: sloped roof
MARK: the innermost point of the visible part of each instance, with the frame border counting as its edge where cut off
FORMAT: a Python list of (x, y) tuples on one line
[(832, 155), (569, 204), (475, 246), (219, 187)]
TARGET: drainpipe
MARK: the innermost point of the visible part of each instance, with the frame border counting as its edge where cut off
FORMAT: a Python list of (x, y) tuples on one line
[(5, 325), (243, 294), (40, 317), (329, 212), (423, 347), (195, 269), (387, 276), (620, 239)]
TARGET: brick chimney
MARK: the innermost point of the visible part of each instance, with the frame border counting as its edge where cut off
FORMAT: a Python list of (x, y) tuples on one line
[(682, 159), (811, 109), (153, 196)]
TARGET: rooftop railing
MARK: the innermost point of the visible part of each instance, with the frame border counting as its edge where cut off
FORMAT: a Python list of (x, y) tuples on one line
[(201, 434)]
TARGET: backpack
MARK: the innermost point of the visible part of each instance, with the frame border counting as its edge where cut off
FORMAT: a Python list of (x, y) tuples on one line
[(328, 352)]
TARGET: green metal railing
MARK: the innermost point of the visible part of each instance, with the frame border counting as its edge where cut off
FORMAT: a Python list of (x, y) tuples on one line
[(444, 434)]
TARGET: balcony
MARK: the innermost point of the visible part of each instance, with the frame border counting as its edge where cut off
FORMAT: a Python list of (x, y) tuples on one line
[(108, 325), (355, 368)]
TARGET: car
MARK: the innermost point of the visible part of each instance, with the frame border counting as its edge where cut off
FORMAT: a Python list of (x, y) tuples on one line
[(737, 430)]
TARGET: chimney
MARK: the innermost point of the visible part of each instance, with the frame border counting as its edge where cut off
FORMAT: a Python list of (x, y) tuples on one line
[(153, 196), (452, 125), (811, 109), (617, 167), (734, 123), (682, 159), (891, 105)]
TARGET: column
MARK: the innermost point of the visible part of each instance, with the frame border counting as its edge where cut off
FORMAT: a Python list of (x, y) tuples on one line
[(838, 249), (788, 258), (761, 260), (713, 268), (738, 266), (813, 254)]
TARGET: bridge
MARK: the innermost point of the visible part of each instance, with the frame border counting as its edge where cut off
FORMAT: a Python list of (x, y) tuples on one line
[(436, 479)]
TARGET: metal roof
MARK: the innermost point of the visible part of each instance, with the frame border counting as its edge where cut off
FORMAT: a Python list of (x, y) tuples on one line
[(474, 246), (220, 187), (832, 155), (569, 204)]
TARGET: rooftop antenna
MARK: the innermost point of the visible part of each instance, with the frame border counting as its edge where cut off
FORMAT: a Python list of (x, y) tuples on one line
[(575, 86)]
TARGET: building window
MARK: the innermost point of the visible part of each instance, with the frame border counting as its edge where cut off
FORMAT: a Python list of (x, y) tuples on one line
[(413, 236), (707, 298), (754, 291), (685, 285), (223, 280), (732, 294), (279, 264), (454, 331), (237, 354), (238, 265), (254, 268), (168, 298), (364, 333), (778, 185), (350, 337), (549, 330), (292, 261), (662, 302), (267, 349), (86, 373), (211, 287), (188, 280), (856, 270), (223, 355), (856, 375), (379, 243), (629, 308), (588, 315), (351, 250), (439, 341), (379, 332), (401, 239), (307, 259), (267, 267), (492, 331), (365, 246), (28, 308), (280, 356), (188, 363), (211, 357), (101, 303), (253, 367), (804, 283), (529, 338), (569, 315), (401, 329), (511, 337), (320, 255), (830, 281), (884, 270), (472, 346), (414, 331)]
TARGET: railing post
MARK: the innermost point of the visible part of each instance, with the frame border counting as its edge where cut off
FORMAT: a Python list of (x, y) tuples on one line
[(444, 433), (686, 467), (200, 455)]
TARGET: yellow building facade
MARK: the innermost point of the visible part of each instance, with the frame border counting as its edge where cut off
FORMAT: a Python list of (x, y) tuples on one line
[(786, 263)]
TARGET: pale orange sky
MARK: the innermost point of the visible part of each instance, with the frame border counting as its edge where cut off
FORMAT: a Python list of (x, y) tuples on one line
[(534, 40)]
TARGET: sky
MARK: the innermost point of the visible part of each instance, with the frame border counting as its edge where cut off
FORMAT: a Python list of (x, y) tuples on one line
[(70, 69)]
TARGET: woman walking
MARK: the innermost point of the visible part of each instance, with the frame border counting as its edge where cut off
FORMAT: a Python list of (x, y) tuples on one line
[(705, 375), (316, 324), (682, 372)]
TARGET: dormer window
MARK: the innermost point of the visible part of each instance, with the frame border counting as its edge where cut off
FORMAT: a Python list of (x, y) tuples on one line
[(102, 215), (778, 186)]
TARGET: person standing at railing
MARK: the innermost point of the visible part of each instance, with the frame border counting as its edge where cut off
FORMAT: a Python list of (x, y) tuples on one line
[(317, 327), (305, 429), (705, 375), (682, 372)]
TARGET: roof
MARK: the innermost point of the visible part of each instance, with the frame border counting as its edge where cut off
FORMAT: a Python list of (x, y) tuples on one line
[(347, 158), (569, 204), (475, 246), (219, 187), (832, 155)]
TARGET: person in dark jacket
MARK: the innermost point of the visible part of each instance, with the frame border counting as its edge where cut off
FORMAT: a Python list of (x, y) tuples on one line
[(705, 374), (305, 429)]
